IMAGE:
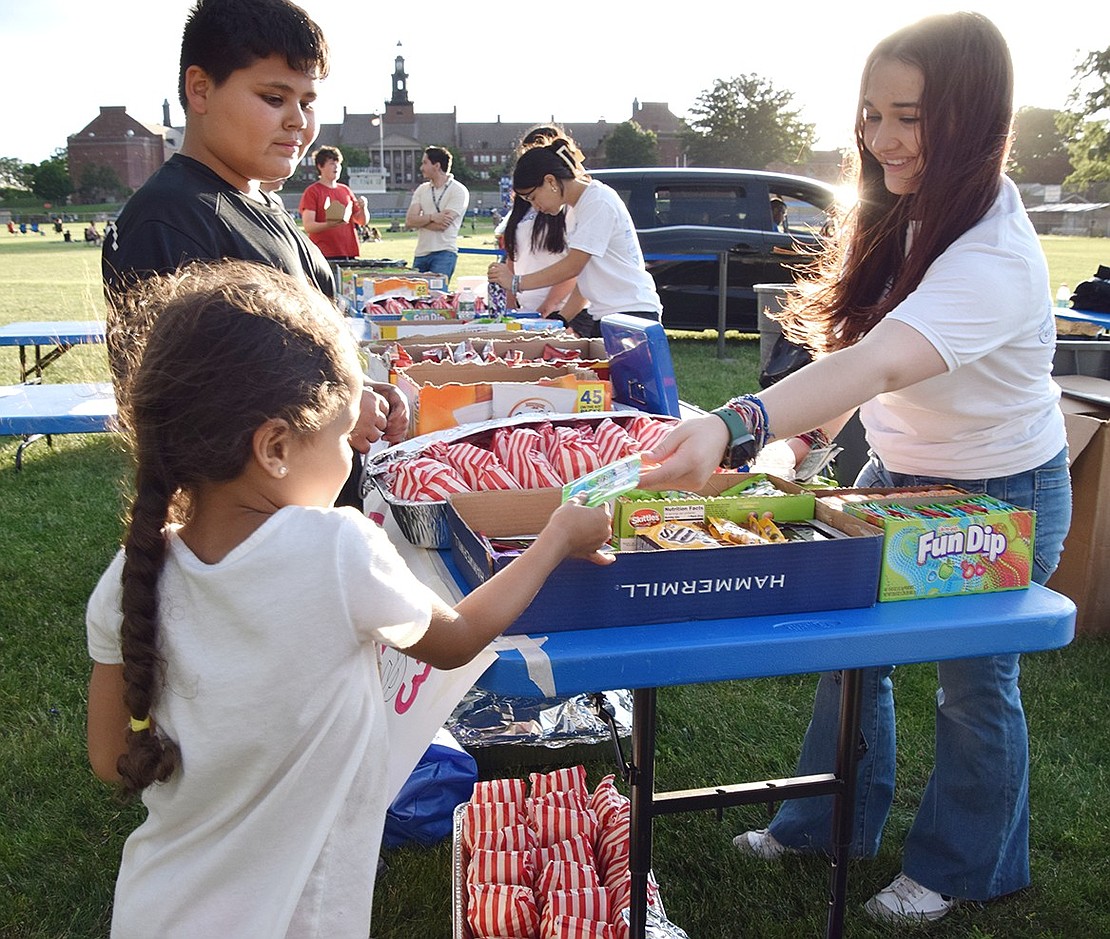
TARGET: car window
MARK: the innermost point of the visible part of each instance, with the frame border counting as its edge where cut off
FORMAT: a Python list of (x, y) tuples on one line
[(802, 215), (718, 206)]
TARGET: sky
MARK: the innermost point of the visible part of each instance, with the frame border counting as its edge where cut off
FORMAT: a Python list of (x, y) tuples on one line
[(575, 63)]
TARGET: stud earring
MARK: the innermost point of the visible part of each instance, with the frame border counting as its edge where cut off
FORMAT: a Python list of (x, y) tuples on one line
[(282, 470)]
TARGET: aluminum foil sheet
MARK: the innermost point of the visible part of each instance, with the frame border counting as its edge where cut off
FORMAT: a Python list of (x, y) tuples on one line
[(485, 719)]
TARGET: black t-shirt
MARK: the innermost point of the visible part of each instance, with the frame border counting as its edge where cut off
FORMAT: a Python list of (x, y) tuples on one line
[(186, 212)]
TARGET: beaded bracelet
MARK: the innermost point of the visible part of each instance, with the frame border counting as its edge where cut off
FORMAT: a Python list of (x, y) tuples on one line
[(515, 288), (751, 409)]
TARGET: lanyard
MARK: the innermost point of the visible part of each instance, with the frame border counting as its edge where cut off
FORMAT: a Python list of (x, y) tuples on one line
[(436, 201)]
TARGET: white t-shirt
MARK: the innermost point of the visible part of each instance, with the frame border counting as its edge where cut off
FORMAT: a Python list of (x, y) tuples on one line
[(270, 826), (614, 280), (984, 305), (528, 261), (453, 197)]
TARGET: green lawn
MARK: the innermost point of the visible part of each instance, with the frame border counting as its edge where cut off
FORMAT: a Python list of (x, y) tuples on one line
[(62, 831)]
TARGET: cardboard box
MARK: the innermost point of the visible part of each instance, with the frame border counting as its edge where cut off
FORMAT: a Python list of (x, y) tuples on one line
[(633, 515), (393, 327), (668, 586), (443, 394), (1082, 574), (530, 346), (944, 557), (336, 211)]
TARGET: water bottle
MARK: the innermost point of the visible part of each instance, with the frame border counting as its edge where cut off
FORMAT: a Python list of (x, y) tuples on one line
[(466, 307), (496, 296), (1063, 296)]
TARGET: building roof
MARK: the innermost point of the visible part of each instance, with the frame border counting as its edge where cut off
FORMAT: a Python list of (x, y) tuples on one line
[(1068, 208)]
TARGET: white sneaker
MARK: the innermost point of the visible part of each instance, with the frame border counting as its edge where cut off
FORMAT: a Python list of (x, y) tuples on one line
[(905, 900), (761, 844)]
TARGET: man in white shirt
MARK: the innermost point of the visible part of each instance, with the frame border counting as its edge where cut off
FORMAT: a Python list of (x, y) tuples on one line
[(436, 212)]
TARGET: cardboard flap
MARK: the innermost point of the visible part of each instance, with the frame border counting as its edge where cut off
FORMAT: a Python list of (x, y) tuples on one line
[(1080, 427)]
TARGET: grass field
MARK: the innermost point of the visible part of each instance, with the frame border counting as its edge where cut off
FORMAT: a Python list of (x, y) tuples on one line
[(62, 831)]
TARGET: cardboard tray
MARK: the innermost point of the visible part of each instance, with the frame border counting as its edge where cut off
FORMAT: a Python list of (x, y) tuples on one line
[(668, 586)]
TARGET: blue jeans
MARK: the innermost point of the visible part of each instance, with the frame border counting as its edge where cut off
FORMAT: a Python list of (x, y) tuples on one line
[(437, 262), (970, 837)]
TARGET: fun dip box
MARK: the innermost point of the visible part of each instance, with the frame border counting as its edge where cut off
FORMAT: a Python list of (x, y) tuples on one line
[(943, 542), (667, 586)]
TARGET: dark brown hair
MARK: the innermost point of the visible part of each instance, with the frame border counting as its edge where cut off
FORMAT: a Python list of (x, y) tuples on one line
[(324, 154), (231, 345), (223, 36), (965, 114)]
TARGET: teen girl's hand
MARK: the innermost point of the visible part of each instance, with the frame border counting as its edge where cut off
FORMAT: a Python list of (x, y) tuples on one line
[(687, 456), (578, 531), (500, 274)]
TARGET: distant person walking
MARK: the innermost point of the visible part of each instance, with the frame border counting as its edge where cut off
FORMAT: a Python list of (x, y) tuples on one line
[(436, 212)]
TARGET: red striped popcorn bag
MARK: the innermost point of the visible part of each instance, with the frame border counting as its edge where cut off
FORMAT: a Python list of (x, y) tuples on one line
[(513, 838), (612, 847), (648, 431), (521, 452), (479, 468), (590, 903), (488, 816), (502, 911), (557, 798), (573, 927), (501, 867), (566, 779), (564, 875), (578, 849), (620, 894), (569, 450), (613, 441), (554, 824), (607, 800), (425, 480), (500, 790)]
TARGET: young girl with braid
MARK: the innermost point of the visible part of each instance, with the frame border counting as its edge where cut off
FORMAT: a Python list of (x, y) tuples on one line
[(235, 681)]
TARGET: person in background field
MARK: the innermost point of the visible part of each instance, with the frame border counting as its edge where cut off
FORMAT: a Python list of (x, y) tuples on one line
[(533, 240), (933, 316), (247, 81), (603, 249), (334, 234), (235, 682), (436, 212)]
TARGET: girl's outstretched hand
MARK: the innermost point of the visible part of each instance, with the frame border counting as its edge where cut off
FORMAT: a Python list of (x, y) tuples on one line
[(687, 456), (584, 532)]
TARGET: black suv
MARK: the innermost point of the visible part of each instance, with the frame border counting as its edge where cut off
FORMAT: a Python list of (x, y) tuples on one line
[(686, 210)]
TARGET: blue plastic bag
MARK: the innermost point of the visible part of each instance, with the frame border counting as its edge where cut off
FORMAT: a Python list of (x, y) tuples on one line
[(424, 808)]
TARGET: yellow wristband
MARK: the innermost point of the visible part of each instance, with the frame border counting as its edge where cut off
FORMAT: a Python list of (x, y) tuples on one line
[(137, 725)]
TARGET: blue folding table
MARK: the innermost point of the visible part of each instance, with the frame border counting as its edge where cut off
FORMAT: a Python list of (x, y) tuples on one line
[(645, 658), (62, 336), (34, 411)]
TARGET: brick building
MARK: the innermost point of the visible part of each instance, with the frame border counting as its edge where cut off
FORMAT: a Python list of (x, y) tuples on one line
[(116, 140)]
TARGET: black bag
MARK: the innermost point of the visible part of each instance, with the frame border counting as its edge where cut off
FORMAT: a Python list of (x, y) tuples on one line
[(786, 357), (1094, 295)]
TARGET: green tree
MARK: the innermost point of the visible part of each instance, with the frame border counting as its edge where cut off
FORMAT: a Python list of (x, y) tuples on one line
[(14, 173), (100, 183), (352, 156), (1087, 129), (746, 122), (1040, 152), (630, 145), (50, 179)]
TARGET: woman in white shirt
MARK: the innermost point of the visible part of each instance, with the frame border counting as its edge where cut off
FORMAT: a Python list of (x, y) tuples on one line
[(603, 249), (933, 317)]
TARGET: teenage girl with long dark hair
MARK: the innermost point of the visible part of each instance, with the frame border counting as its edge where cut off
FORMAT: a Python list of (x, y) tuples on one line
[(933, 317)]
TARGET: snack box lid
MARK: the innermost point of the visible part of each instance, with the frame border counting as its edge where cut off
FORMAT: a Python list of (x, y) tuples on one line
[(640, 366)]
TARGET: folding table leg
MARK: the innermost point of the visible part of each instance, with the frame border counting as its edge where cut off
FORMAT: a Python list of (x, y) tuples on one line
[(847, 758), (642, 793)]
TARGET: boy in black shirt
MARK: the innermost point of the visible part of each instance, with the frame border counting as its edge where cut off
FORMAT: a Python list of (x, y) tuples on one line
[(248, 76)]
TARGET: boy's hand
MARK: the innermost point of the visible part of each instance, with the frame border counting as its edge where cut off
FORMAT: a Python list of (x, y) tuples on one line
[(585, 532)]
